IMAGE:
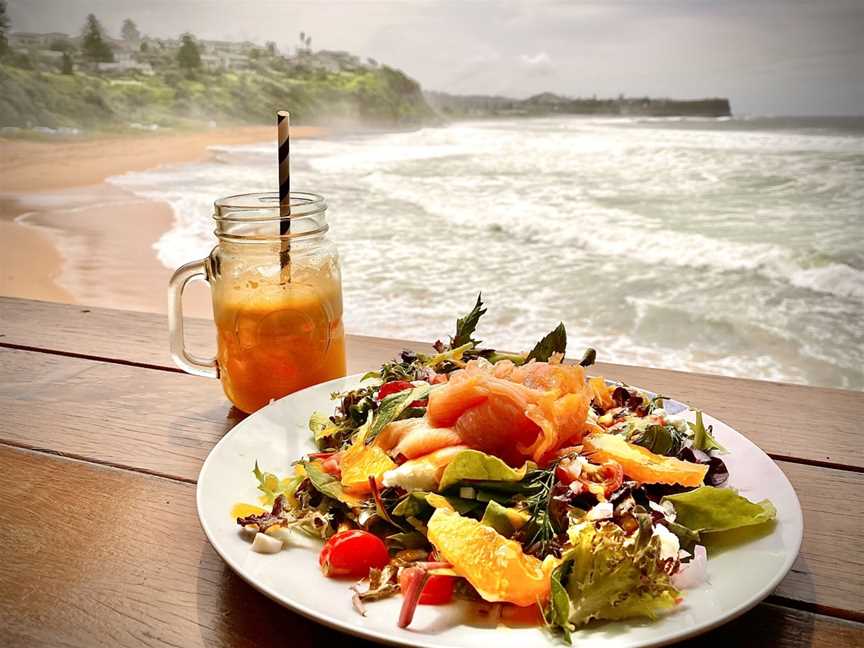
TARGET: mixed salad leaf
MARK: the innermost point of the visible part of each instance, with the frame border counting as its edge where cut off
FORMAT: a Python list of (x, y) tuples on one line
[(509, 478)]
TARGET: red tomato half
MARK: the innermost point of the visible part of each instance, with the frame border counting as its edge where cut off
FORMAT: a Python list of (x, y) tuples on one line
[(353, 553), (396, 386), (437, 591), (393, 387)]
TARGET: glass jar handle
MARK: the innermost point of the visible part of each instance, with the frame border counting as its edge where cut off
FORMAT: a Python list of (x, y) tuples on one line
[(187, 361)]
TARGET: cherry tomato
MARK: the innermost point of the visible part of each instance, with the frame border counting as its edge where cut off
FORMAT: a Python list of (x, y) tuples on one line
[(353, 553), (396, 386), (437, 591), (331, 464), (393, 387), (613, 476)]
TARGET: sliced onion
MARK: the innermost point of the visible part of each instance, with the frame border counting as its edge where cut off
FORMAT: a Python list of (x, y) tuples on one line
[(414, 581), (695, 572)]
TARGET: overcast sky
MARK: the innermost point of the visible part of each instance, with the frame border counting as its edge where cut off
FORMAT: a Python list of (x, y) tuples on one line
[(768, 57)]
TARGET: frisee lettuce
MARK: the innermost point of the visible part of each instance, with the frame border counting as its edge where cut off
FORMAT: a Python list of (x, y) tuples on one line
[(608, 575)]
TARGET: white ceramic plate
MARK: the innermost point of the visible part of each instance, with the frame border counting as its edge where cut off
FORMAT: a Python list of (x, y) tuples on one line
[(740, 574)]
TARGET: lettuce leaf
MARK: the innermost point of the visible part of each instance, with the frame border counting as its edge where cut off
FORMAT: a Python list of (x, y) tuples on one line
[(708, 509), (476, 465), (702, 439), (321, 426), (608, 575)]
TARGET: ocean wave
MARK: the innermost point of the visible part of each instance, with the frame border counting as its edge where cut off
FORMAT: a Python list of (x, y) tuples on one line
[(708, 249)]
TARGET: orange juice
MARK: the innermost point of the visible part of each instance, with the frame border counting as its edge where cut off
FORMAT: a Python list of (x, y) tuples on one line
[(274, 339)]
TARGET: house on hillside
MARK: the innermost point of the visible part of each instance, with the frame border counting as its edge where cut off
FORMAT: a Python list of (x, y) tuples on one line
[(125, 62), (225, 47), (226, 61), (28, 40)]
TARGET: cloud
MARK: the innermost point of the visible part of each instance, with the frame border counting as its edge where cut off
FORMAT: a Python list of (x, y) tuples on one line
[(540, 58)]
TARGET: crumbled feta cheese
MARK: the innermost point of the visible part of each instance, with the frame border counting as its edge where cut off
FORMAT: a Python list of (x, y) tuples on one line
[(601, 511), (412, 475), (666, 509), (669, 545), (266, 544)]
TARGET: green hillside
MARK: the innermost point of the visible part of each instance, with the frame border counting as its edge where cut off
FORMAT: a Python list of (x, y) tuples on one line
[(368, 95)]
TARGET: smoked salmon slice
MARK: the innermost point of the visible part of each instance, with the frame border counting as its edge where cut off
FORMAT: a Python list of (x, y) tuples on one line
[(414, 437), (514, 412)]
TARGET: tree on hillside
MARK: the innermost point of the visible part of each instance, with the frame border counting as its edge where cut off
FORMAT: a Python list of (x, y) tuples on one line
[(305, 42), (188, 55), (93, 43), (130, 32), (66, 65), (271, 48), (4, 28)]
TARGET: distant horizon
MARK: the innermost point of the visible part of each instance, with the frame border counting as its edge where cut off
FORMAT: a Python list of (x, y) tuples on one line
[(734, 115), (773, 58)]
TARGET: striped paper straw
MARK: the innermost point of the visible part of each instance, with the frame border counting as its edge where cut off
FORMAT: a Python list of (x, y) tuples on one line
[(282, 122)]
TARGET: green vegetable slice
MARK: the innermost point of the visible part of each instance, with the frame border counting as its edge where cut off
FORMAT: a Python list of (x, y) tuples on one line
[(504, 520), (708, 509), (474, 465)]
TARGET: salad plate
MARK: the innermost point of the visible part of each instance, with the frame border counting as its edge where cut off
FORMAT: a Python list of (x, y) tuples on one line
[(741, 570)]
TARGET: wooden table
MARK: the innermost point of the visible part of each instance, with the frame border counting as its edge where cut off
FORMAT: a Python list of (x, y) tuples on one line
[(101, 440)]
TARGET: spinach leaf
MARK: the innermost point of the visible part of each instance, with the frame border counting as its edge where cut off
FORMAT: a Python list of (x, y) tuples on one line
[(473, 464), (660, 439)]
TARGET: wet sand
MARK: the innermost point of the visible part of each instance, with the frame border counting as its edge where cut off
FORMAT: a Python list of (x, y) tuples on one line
[(67, 236)]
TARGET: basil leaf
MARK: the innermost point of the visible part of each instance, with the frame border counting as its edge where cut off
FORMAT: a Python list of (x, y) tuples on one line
[(465, 325), (553, 342)]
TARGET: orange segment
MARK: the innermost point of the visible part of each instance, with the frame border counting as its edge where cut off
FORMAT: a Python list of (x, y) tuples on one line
[(642, 464), (361, 462), (496, 567), (602, 393)]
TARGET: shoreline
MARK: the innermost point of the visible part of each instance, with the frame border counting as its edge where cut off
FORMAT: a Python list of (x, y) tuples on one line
[(65, 231)]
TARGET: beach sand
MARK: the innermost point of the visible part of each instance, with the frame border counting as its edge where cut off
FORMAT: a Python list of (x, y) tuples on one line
[(67, 236)]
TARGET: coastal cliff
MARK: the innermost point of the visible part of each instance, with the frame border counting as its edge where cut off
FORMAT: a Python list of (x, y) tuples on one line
[(547, 103)]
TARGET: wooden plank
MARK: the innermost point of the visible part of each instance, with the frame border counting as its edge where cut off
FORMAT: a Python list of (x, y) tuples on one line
[(138, 338), (115, 558), (165, 423), (787, 421)]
